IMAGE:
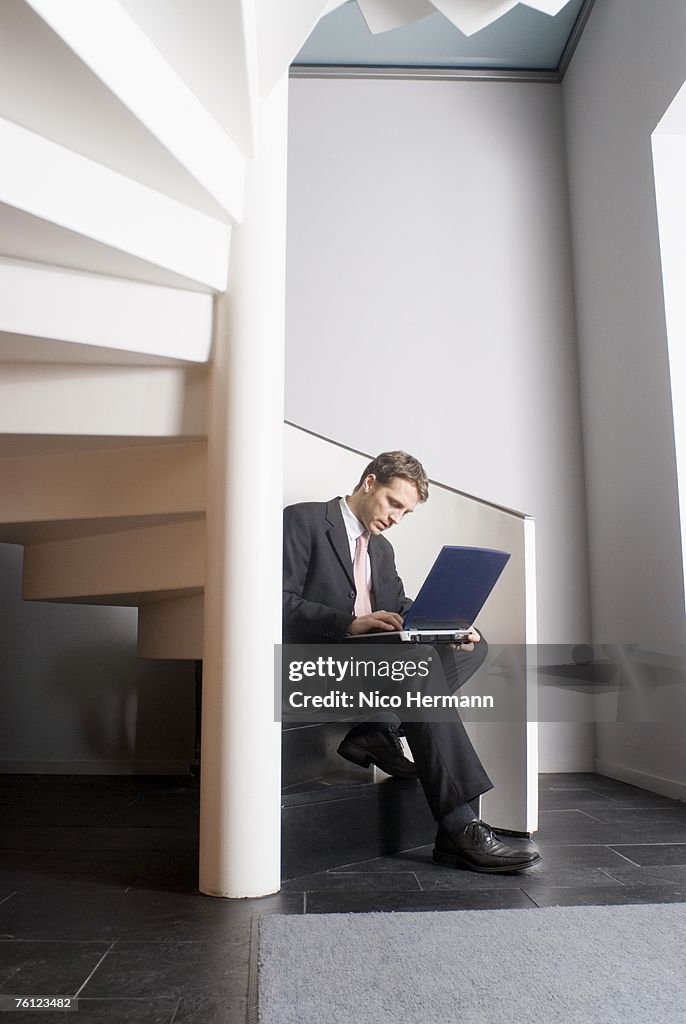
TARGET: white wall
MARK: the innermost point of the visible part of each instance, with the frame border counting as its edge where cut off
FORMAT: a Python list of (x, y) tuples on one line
[(75, 698), (430, 306), (669, 163), (630, 64)]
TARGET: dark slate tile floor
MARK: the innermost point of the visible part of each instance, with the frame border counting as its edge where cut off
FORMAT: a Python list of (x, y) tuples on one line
[(98, 890)]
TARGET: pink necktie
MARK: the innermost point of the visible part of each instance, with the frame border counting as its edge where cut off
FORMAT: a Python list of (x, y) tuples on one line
[(363, 602)]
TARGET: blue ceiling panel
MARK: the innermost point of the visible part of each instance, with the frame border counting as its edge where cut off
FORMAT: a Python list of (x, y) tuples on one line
[(522, 39)]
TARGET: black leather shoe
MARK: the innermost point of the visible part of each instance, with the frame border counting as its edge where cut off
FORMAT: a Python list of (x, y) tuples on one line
[(381, 747), (477, 848)]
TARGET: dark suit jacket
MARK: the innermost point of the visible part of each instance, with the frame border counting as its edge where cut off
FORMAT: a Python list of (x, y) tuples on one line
[(318, 586)]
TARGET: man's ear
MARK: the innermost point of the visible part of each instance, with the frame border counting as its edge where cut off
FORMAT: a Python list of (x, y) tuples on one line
[(368, 483)]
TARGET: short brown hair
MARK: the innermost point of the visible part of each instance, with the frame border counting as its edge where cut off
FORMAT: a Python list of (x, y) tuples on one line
[(391, 464)]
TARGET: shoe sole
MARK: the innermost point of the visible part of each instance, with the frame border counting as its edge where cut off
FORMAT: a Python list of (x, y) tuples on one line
[(362, 757), (453, 860)]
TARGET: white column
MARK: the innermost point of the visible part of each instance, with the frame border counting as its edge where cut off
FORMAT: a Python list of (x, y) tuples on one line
[(241, 744)]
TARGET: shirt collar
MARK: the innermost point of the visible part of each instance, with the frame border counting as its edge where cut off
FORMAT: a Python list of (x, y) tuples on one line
[(353, 527)]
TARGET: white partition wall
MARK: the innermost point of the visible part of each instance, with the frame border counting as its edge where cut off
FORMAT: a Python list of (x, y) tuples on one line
[(318, 469)]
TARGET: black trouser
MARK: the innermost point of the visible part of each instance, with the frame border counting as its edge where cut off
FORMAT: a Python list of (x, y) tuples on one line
[(448, 767)]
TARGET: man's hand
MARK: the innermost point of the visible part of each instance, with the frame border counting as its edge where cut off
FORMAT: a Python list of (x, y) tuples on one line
[(473, 637), (388, 622)]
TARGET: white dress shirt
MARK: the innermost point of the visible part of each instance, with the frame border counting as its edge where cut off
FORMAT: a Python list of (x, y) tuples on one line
[(354, 529)]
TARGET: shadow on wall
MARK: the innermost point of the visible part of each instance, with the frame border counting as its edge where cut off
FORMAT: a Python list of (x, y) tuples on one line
[(74, 696), (627, 682)]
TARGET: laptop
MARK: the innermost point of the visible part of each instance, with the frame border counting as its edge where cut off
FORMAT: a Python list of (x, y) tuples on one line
[(450, 598)]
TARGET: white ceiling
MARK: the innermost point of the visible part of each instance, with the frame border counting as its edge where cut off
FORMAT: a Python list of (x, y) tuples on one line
[(523, 39)]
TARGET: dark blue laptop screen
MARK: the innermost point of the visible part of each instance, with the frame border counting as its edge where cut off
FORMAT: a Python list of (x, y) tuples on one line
[(456, 588)]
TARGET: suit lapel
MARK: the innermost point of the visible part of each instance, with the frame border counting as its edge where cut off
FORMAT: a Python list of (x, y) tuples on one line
[(338, 537)]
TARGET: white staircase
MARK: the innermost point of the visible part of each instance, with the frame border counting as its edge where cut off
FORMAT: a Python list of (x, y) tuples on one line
[(125, 130)]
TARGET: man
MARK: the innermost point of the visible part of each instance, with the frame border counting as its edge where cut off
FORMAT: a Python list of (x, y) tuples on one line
[(340, 579)]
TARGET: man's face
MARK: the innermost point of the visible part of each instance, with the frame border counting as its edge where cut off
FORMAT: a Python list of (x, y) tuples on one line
[(380, 506)]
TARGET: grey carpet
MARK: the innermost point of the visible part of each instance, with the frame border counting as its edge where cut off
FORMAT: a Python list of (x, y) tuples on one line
[(558, 965)]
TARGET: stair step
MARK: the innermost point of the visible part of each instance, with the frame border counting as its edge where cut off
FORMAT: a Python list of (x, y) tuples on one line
[(339, 785), (127, 567), (54, 315), (157, 120), (73, 217), (153, 402), (97, 490), (309, 752), (338, 821)]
